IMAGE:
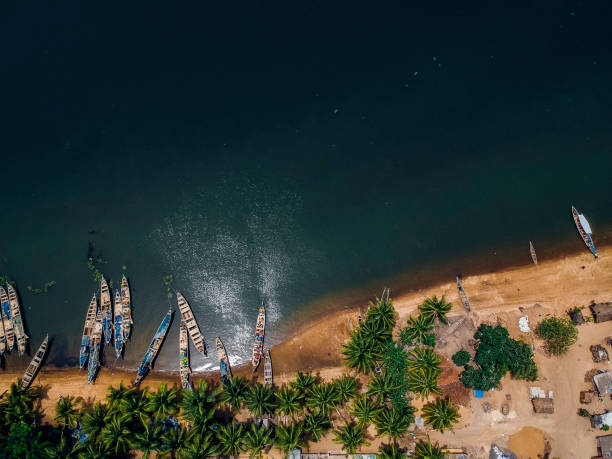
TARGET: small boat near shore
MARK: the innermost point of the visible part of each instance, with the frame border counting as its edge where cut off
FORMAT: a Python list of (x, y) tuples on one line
[(94, 348), (88, 328), (2, 334), (34, 365), (107, 311), (268, 368), (191, 324), (118, 325), (532, 251), (224, 363), (20, 335), (184, 368), (9, 331), (156, 342), (126, 300), (584, 229), (260, 330), (462, 294)]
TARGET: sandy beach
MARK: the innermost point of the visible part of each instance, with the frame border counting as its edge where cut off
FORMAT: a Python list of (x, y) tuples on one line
[(548, 289)]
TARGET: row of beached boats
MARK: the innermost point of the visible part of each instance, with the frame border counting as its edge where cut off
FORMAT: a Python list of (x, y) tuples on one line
[(12, 331)]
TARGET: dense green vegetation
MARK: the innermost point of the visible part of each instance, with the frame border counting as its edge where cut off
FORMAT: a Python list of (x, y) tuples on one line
[(461, 358), (559, 334)]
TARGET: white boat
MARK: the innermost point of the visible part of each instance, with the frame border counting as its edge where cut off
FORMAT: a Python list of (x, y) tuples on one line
[(107, 311), (268, 368), (532, 251), (90, 321), (34, 366), (118, 325), (126, 299), (584, 229), (191, 324), (20, 335)]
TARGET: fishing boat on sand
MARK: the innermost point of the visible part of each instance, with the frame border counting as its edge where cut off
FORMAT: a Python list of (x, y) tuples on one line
[(20, 335), (2, 334), (184, 368), (94, 348), (268, 368), (90, 321), (107, 312), (149, 357), (126, 314), (9, 331), (191, 324), (118, 328), (584, 229), (534, 257), (260, 330), (34, 365), (224, 363), (464, 298)]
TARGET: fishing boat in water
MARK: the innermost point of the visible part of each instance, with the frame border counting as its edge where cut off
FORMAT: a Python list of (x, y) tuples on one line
[(118, 328), (534, 257), (34, 365), (584, 229), (224, 363), (94, 348), (260, 330), (268, 368), (107, 311), (156, 342), (2, 334), (191, 324), (126, 314), (462, 294), (9, 331), (90, 321), (20, 335), (184, 368)]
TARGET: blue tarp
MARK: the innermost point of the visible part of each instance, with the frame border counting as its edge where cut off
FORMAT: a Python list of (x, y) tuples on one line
[(478, 393)]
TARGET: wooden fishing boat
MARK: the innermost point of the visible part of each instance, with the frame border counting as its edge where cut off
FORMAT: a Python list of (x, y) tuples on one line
[(156, 342), (2, 334), (34, 365), (9, 331), (462, 295), (126, 314), (268, 368), (191, 324), (184, 368), (20, 335), (118, 327), (224, 363), (584, 229), (90, 321), (260, 330), (94, 348), (107, 311), (534, 257)]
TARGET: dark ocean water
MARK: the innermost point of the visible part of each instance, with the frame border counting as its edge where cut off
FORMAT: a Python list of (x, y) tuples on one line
[(306, 154)]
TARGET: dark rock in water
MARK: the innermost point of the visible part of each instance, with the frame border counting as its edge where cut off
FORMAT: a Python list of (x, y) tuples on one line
[(91, 231)]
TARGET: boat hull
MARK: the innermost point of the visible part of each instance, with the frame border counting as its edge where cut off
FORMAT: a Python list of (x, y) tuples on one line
[(156, 342), (586, 237), (258, 343)]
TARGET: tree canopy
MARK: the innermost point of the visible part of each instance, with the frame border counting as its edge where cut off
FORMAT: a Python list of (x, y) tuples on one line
[(559, 333)]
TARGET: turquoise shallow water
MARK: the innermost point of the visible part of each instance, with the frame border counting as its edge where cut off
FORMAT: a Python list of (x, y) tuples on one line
[(292, 166)]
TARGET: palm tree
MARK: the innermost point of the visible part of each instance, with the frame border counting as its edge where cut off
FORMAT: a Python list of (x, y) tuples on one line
[(317, 424), (346, 387), (94, 451), (261, 400), (441, 414), (323, 396), (390, 452), (66, 414), (382, 385), (427, 450), (150, 439), (200, 445), (199, 405), (351, 437), (364, 409), (289, 401), (435, 308), (393, 422), (289, 438), (18, 404), (64, 449), (174, 442), (382, 313), (230, 436), (116, 436), (135, 405), (418, 328), (115, 396), (423, 357), (303, 382), (162, 403), (375, 333), (424, 382), (360, 353), (94, 421), (235, 392), (256, 440)]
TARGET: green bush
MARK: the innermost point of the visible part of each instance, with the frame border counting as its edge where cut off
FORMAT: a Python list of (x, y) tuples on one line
[(558, 333), (584, 413), (461, 358)]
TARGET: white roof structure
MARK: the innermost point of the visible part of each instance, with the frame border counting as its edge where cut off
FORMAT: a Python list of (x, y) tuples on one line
[(524, 324), (585, 224)]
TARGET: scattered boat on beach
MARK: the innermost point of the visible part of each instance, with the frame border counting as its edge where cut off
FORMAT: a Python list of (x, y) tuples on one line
[(88, 328), (260, 330), (191, 324), (118, 326), (224, 364), (156, 342), (20, 335), (9, 331), (534, 257), (464, 298), (94, 348), (2, 334), (584, 229), (107, 312), (268, 368), (126, 314), (34, 365), (184, 368)]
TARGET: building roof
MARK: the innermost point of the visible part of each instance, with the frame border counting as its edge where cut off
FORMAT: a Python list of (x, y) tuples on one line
[(543, 405), (603, 382), (599, 420), (602, 309), (605, 445)]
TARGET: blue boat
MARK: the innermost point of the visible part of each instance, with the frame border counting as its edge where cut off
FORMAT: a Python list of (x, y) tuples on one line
[(7, 321), (94, 349), (224, 364), (90, 321), (107, 312), (118, 328), (582, 224), (156, 342)]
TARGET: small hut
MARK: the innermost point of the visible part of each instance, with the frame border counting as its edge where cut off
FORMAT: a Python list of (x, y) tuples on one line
[(599, 353), (576, 316), (605, 445), (586, 396), (602, 312), (603, 382), (543, 405)]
